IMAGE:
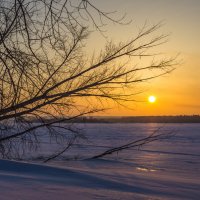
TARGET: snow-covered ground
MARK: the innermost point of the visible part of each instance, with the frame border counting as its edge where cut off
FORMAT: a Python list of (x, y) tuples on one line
[(97, 179), (167, 169)]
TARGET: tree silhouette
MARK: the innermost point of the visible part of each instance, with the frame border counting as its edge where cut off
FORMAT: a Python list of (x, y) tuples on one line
[(46, 74)]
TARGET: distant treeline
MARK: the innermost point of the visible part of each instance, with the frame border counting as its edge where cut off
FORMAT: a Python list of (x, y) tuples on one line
[(135, 119), (142, 119)]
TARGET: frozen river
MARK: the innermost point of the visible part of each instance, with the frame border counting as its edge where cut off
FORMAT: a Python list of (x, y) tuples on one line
[(162, 170), (180, 152)]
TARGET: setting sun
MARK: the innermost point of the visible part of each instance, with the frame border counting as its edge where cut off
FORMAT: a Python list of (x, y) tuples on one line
[(152, 99)]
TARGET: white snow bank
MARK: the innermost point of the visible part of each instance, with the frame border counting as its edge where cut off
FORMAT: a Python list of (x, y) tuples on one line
[(92, 179)]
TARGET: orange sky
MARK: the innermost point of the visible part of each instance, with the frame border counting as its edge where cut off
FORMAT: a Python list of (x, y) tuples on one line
[(179, 92)]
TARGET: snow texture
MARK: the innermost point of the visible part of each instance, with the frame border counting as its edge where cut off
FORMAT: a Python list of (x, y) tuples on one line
[(164, 170)]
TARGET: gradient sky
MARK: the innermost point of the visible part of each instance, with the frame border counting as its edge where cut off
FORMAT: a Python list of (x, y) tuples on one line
[(179, 92)]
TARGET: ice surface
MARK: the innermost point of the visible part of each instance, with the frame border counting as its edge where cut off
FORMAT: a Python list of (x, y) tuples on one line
[(168, 169)]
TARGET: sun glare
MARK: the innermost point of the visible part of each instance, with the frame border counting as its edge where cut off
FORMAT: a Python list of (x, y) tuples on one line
[(152, 99)]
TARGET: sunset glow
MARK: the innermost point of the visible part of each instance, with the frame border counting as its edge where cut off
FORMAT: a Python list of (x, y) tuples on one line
[(177, 91), (152, 99)]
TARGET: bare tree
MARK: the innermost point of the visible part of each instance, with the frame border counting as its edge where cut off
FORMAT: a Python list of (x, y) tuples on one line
[(46, 74)]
